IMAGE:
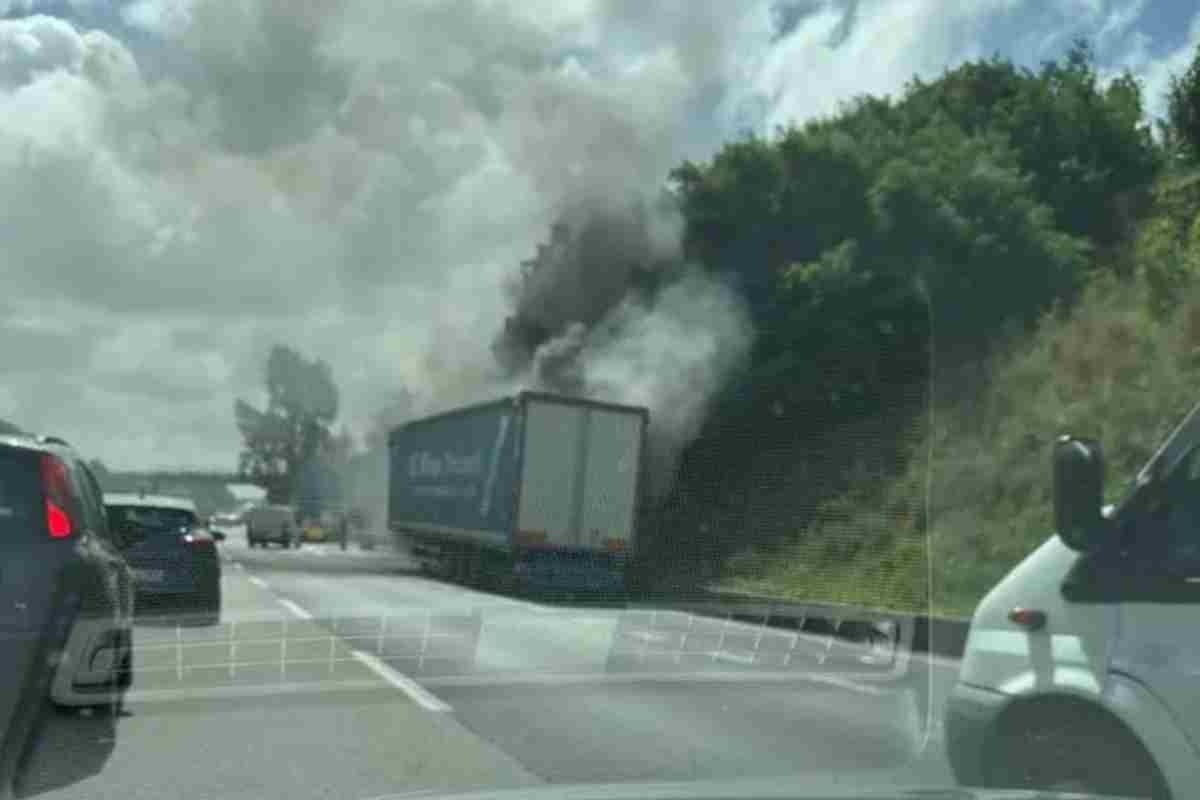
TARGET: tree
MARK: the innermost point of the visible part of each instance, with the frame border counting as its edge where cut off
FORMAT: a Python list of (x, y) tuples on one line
[(294, 428), (986, 196), (1183, 111)]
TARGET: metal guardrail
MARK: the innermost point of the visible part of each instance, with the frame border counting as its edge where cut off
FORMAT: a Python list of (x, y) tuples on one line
[(768, 637), (931, 634)]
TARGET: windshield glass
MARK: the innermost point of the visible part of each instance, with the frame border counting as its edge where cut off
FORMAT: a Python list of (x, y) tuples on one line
[(496, 394), (149, 519), (19, 495)]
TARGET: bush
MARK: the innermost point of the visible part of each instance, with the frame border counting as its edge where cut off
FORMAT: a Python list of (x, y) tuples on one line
[(1122, 365)]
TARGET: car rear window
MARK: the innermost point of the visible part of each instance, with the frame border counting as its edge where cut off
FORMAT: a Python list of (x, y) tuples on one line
[(20, 492), (149, 519)]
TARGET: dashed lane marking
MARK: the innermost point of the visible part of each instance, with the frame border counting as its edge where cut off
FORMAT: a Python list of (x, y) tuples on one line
[(417, 693), (297, 610)]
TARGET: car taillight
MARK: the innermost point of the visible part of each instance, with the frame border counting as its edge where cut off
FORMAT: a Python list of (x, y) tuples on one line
[(57, 490), (197, 537)]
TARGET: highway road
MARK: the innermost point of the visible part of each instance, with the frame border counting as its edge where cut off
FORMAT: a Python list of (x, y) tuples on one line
[(345, 675)]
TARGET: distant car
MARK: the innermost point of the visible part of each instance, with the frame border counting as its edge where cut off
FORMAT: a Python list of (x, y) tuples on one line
[(272, 523), (66, 592), (170, 551)]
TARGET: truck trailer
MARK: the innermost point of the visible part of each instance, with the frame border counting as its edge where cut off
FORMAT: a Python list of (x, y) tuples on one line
[(534, 491)]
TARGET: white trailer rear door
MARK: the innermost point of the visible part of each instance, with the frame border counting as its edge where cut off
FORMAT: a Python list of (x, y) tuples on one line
[(550, 473), (580, 475), (612, 456)]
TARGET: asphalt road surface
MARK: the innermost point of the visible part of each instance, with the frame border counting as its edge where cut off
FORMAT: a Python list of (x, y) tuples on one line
[(345, 675)]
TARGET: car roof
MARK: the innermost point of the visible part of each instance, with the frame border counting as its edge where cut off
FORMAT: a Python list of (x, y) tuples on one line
[(150, 501), (39, 444)]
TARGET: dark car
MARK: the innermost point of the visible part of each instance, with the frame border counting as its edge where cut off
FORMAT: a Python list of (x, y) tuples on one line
[(66, 593), (172, 554)]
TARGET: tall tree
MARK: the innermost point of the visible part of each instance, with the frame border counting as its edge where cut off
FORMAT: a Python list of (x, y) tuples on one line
[(294, 428), (1183, 111)]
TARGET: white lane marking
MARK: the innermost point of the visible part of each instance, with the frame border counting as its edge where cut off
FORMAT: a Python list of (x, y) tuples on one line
[(292, 607), (259, 582), (414, 690)]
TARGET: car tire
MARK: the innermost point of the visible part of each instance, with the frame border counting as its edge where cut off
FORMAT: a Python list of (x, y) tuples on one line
[(210, 604), (1075, 747), (125, 671)]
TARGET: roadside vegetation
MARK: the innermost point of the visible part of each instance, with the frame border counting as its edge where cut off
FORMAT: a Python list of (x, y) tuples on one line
[(942, 282)]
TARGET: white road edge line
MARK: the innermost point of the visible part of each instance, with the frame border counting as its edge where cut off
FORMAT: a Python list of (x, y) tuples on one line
[(259, 582), (292, 607), (414, 690)]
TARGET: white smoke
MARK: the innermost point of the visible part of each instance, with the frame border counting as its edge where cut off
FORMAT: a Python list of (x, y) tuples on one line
[(673, 358)]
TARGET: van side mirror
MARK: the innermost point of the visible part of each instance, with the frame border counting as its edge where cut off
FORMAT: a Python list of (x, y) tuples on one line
[(1079, 492)]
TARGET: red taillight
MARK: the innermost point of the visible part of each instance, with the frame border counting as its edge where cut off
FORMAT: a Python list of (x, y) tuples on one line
[(197, 537), (57, 490)]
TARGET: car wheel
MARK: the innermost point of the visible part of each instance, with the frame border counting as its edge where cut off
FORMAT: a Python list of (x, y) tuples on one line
[(210, 604), (125, 671), (1071, 746)]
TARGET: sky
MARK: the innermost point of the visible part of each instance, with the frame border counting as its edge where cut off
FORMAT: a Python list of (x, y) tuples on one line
[(184, 183)]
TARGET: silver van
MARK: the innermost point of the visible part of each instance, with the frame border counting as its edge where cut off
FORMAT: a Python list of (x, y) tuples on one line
[(272, 524)]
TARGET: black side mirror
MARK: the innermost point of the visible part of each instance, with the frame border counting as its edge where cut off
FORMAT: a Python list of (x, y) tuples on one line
[(1079, 492), (218, 535)]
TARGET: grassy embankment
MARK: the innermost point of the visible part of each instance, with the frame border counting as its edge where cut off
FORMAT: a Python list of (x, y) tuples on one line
[(1123, 364)]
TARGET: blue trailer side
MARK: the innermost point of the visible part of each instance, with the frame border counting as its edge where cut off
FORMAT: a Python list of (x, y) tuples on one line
[(453, 481)]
